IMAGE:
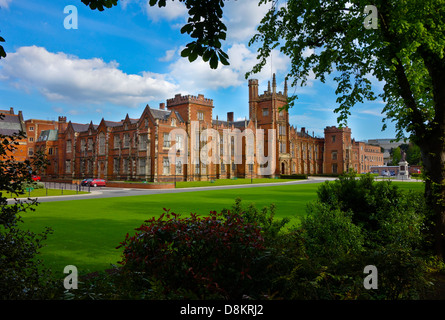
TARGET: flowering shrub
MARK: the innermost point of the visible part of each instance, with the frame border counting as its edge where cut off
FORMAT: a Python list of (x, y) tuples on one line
[(202, 256)]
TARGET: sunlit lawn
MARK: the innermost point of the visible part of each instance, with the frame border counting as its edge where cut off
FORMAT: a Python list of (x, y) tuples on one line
[(86, 232)]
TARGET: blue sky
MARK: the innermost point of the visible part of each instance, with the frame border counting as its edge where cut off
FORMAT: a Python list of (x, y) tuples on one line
[(119, 60)]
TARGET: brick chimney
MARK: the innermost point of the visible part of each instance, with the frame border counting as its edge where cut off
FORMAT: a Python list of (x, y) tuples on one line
[(229, 116), (162, 106)]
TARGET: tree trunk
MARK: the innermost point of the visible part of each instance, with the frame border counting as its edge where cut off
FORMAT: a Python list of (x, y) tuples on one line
[(433, 157)]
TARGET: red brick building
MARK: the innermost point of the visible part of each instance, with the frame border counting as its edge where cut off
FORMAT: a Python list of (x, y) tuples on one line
[(205, 148)]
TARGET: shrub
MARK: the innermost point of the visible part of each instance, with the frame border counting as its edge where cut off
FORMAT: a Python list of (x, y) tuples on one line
[(359, 222), (196, 257)]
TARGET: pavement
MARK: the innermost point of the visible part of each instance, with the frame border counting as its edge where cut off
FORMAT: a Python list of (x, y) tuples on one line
[(109, 192)]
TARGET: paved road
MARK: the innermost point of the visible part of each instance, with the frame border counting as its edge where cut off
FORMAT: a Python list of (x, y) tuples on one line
[(107, 192)]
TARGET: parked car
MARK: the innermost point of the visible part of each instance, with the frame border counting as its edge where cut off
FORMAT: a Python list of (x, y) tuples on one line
[(97, 183), (85, 182), (36, 178)]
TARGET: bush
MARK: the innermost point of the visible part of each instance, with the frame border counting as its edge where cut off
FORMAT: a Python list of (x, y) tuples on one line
[(196, 257), (359, 222)]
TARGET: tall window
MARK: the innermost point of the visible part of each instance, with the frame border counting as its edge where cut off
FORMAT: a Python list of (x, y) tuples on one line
[(334, 155), (68, 146), (126, 166), (166, 166), (68, 166), (200, 115), (178, 166), (143, 142), (117, 141), (179, 142), (142, 162), (90, 144), (101, 143), (126, 140), (166, 140), (116, 166)]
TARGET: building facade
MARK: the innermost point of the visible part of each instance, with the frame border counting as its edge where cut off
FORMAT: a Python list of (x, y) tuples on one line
[(142, 148)]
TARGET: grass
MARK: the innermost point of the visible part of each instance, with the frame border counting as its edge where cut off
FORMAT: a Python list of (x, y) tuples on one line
[(226, 182), (38, 193), (86, 232)]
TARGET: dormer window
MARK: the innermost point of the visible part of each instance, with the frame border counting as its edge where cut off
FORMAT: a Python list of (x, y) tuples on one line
[(173, 122)]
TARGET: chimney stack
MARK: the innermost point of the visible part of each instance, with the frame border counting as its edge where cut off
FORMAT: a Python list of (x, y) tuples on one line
[(162, 106), (229, 116)]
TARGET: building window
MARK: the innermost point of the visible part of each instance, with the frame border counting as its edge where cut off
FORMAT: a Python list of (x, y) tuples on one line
[(334, 168), (90, 144), (166, 140), (31, 128), (166, 166), (126, 166), (143, 142), (116, 166), (82, 145), (173, 122), (117, 141), (68, 166), (30, 151), (50, 151), (142, 162), (101, 143), (265, 112), (334, 155), (333, 138), (68, 146), (126, 140), (178, 166), (31, 139), (179, 142), (201, 115)]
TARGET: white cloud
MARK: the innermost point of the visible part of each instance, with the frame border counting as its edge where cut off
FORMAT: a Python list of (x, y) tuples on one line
[(242, 19), (172, 11), (62, 77), (169, 55), (5, 3)]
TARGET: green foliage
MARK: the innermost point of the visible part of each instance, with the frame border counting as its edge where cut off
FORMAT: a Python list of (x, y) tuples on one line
[(358, 222), (204, 25), (20, 273), (206, 257)]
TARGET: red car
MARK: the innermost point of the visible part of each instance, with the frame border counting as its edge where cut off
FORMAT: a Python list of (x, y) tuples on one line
[(97, 183), (36, 178)]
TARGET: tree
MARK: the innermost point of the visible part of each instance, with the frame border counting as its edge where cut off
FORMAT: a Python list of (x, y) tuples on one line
[(204, 25), (396, 155), (405, 51), (20, 273)]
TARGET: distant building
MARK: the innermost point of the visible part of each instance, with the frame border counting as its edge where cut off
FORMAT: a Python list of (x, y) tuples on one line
[(13, 124), (138, 149), (387, 145)]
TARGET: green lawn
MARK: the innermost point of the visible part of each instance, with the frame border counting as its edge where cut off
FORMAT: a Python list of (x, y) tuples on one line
[(226, 182), (86, 232), (37, 193)]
